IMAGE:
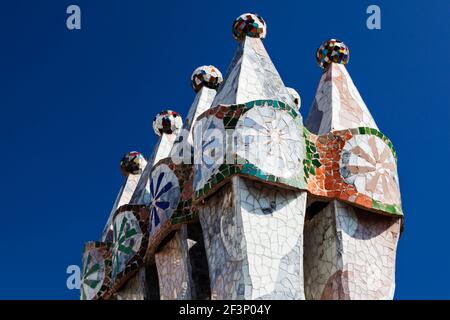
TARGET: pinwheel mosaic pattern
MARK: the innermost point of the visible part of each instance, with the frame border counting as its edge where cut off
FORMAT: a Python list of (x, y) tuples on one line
[(355, 165), (94, 271), (271, 140), (259, 130), (164, 196), (209, 149), (367, 163), (127, 241)]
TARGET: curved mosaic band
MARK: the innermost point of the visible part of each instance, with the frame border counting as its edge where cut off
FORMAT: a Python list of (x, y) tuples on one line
[(358, 166), (130, 242), (96, 274), (261, 139), (170, 200)]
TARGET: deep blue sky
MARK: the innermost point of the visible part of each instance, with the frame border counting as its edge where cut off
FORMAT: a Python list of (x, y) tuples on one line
[(73, 102)]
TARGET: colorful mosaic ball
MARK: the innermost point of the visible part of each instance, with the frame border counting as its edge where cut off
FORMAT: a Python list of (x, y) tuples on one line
[(167, 122), (295, 97), (132, 163), (251, 25), (208, 76), (332, 51)]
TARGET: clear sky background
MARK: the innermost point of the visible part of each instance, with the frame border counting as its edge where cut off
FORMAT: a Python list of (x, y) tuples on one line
[(73, 102)]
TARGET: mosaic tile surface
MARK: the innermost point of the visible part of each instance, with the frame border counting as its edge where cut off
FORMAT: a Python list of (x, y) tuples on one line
[(202, 102), (271, 140), (368, 163), (266, 143), (134, 288), (171, 204), (249, 25), (167, 122), (212, 132), (338, 104), (357, 166), (332, 51), (161, 151), (295, 97), (244, 167), (130, 241), (132, 163), (252, 76), (350, 254), (254, 242), (208, 76), (174, 273), (96, 274), (176, 194), (172, 258), (164, 196), (226, 270)]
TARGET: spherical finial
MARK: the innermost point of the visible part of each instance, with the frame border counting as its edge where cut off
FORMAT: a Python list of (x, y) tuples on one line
[(132, 163), (251, 25), (295, 96), (167, 122), (208, 76), (332, 51)]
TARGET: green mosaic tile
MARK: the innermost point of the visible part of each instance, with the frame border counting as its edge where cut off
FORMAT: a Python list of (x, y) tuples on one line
[(276, 104), (389, 208), (219, 177), (233, 122), (226, 120), (316, 163)]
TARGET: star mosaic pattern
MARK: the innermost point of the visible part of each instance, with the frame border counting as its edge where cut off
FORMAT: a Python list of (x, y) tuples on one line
[(167, 122), (332, 51), (250, 25), (208, 76), (132, 163)]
